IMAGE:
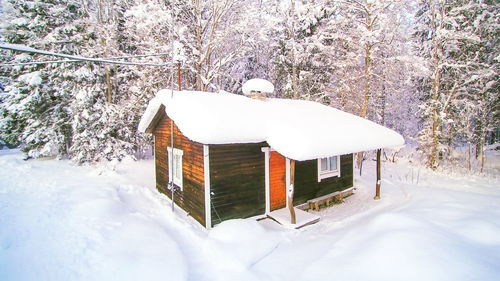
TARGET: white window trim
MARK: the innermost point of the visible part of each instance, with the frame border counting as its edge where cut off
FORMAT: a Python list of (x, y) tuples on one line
[(177, 152), (328, 174), (267, 151)]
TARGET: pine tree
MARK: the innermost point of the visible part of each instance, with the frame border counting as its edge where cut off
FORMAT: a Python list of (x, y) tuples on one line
[(35, 109), (300, 66), (107, 110), (476, 108), (452, 43)]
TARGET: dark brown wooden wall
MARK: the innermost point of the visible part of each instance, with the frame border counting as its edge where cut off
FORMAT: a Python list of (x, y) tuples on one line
[(192, 198), (237, 176), (306, 179), (237, 181)]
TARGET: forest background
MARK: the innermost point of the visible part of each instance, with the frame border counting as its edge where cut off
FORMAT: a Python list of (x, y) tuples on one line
[(428, 69)]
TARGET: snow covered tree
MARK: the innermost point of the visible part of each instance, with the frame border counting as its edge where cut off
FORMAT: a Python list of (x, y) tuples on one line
[(73, 109), (456, 46), (367, 44), (107, 111), (35, 107), (479, 87), (217, 36), (358, 55), (255, 23), (91, 111), (365, 48), (300, 66)]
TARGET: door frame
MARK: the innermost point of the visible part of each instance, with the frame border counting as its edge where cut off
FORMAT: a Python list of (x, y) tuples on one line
[(267, 151)]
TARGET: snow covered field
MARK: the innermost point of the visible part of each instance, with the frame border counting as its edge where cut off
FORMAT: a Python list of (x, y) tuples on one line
[(62, 222)]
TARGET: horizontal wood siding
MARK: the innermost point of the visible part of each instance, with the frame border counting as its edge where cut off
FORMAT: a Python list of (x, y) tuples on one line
[(192, 198), (237, 181), (306, 179)]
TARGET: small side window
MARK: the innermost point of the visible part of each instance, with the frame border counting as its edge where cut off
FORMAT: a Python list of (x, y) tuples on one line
[(328, 167), (175, 166)]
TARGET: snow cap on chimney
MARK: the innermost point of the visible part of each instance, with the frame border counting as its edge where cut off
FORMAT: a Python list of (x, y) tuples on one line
[(257, 88)]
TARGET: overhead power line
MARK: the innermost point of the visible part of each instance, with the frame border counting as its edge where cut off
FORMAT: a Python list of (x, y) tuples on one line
[(65, 61), (72, 58)]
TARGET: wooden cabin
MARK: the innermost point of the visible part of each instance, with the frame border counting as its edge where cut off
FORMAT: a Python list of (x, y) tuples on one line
[(229, 156)]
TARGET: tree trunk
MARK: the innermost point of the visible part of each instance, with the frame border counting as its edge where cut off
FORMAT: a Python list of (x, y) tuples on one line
[(384, 100), (109, 90), (482, 154), (294, 80), (368, 67), (368, 73), (368, 80), (436, 83), (100, 8), (179, 76), (469, 148), (482, 160), (479, 139), (377, 186), (198, 39), (295, 87), (360, 164)]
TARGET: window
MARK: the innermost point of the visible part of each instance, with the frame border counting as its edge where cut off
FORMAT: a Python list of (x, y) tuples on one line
[(176, 166), (328, 167)]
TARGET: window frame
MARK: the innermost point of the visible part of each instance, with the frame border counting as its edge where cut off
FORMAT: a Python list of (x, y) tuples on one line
[(177, 163), (329, 173)]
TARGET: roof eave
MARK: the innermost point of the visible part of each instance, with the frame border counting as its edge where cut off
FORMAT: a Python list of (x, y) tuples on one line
[(156, 119)]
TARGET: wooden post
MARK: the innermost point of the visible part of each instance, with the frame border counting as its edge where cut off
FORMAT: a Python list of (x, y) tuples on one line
[(290, 192), (377, 188)]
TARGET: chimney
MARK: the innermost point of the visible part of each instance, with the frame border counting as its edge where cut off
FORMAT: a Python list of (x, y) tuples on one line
[(257, 88)]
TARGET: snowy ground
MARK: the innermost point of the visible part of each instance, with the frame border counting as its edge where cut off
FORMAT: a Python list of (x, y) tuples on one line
[(61, 222)]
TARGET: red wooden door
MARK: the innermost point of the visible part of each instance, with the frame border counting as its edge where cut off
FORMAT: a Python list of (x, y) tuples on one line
[(277, 177)]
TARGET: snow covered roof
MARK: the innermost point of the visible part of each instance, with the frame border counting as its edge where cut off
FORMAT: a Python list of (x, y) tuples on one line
[(298, 129)]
